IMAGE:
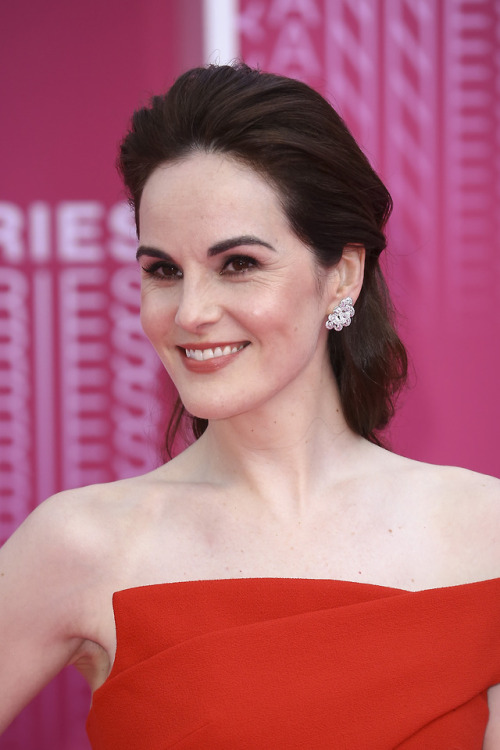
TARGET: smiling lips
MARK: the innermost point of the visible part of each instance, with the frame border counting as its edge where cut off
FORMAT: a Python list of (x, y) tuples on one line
[(211, 357), (204, 354)]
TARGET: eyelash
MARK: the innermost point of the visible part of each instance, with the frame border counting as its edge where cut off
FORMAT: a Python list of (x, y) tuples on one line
[(252, 262), (155, 268)]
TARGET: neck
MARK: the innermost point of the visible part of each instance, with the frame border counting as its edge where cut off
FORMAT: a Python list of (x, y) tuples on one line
[(284, 453)]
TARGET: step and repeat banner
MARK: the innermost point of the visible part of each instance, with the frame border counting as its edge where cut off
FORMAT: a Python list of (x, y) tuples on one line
[(82, 398), (418, 83)]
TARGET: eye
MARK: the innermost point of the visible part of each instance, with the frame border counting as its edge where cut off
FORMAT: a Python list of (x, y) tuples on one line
[(162, 270), (239, 264)]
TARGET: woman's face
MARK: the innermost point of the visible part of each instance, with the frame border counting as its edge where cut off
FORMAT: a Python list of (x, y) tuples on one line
[(232, 300)]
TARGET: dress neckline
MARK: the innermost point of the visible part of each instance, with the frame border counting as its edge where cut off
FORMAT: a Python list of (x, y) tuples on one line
[(221, 583), (274, 580)]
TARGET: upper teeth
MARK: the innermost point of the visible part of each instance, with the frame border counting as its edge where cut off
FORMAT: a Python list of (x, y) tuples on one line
[(201, 354)]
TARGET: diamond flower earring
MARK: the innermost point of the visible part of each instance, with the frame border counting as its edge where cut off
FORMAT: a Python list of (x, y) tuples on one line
[(341, 315)]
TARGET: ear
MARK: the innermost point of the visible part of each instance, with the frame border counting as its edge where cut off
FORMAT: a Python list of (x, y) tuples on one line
[(346, 277)]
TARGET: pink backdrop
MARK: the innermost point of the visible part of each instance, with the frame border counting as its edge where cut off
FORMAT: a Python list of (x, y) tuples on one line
[(419, 84)]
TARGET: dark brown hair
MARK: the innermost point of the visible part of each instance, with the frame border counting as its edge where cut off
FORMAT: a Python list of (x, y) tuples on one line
[(330, 194)]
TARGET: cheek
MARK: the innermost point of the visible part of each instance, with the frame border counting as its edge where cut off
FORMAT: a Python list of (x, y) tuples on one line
[(145, 321), (260, 314), (155, 316), (269, 307)]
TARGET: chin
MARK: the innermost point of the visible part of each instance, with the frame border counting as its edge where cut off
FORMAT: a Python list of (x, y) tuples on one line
[(214, 412), (212, 415)]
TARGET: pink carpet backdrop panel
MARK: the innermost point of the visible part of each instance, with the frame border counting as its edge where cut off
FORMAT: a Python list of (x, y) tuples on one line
[(418, 83), (82, 397)]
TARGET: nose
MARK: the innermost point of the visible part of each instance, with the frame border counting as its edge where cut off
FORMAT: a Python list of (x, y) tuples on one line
[(198, 305)]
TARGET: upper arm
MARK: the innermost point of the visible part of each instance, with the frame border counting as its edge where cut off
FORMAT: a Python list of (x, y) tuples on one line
[(469, 522), (39, 617), (492, 736), (484, 525)]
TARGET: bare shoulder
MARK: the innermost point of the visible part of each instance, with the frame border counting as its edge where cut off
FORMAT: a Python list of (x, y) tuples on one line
[(49, 573), (472, 509), (469, 503), (464, 482), (443, 484), (462, 509), (78, 533), (463, 495), (58, 572), (55, 544)]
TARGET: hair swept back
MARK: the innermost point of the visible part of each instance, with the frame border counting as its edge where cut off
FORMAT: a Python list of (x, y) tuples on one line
[(329, 192)]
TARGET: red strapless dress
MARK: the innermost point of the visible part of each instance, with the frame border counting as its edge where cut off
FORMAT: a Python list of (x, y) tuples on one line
[(279, 664)]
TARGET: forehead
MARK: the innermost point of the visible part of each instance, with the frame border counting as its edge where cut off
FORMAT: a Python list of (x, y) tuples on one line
[(214, 192)]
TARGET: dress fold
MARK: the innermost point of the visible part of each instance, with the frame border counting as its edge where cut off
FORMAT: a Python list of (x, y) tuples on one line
[(243, 664)]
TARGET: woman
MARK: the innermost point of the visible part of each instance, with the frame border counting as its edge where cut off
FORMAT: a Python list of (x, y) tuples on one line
[(310, 588)]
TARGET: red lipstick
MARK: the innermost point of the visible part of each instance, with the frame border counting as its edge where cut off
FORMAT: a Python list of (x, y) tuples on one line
[(209, 357)]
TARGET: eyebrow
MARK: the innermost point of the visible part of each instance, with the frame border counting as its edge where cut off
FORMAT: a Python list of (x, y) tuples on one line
[(245, 239), (152, 251), (217, 249)]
